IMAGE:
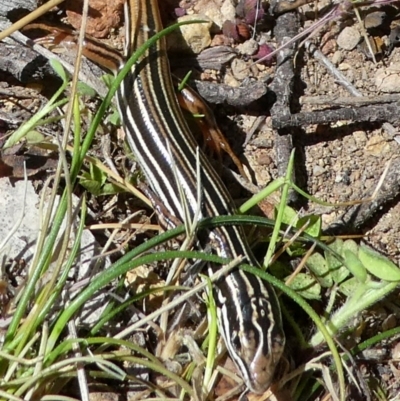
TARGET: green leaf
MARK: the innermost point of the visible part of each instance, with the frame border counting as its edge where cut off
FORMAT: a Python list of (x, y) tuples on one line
[(338, 271), (351, 245), (349, 287), (86, 90), (317, 265), (34, 136), (110, 189), (378, 265), (354, 264), (296, 249), (97, 174), (94, 187), (313, 227), (108, 79), (280, 269), (289, 216), (59, 69), (306, 286), (114, 118)]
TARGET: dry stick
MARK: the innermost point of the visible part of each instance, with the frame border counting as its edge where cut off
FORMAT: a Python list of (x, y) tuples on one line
[(287, 26), (348, 101), (241, 96), (279, 122), (367, 113), (358, 99), (340, 78), (256, 125), (388, 112)]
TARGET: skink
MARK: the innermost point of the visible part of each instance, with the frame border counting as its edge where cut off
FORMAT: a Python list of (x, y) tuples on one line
[(249, 316)]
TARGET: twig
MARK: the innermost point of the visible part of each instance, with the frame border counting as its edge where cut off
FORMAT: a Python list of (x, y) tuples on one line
[(241, 96), (388, 113), (349, 101), (340, 78), (287, 26)]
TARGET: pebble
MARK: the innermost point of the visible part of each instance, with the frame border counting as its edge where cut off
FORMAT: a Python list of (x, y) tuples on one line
[(248, 48), (337, 57), (389, 323), (374, 19), (344, 67), (318, 170), (264, 159), (196, 36), (212, 10), (228, 10), (396, 351), (348, 39), (239, 69), (329, 47), (387, 79), (360, 137), (377, 146), (230, 80)]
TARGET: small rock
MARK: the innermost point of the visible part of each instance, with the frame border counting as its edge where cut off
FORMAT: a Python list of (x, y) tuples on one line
[(318, 170), (387, 79), (348, 38), (338, 178), (344, 67), (261, 142), (374, 19), (329, 47), (396, 351), (394, 37), (213, 11), (377, 146), (360, 137), (359, 84), (196, 36), (389, 323), (264, 159), (337, 57), (373, 47), (350, 144), (230, 80), (239, 69), (228, 10), (350, 75), (248, 48)]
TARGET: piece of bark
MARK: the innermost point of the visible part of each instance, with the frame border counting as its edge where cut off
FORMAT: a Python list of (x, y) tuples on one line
[(7, 6), (22, 63), (241, 96), (349, 101), (388, 112), (31, 64), (287, 26)]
